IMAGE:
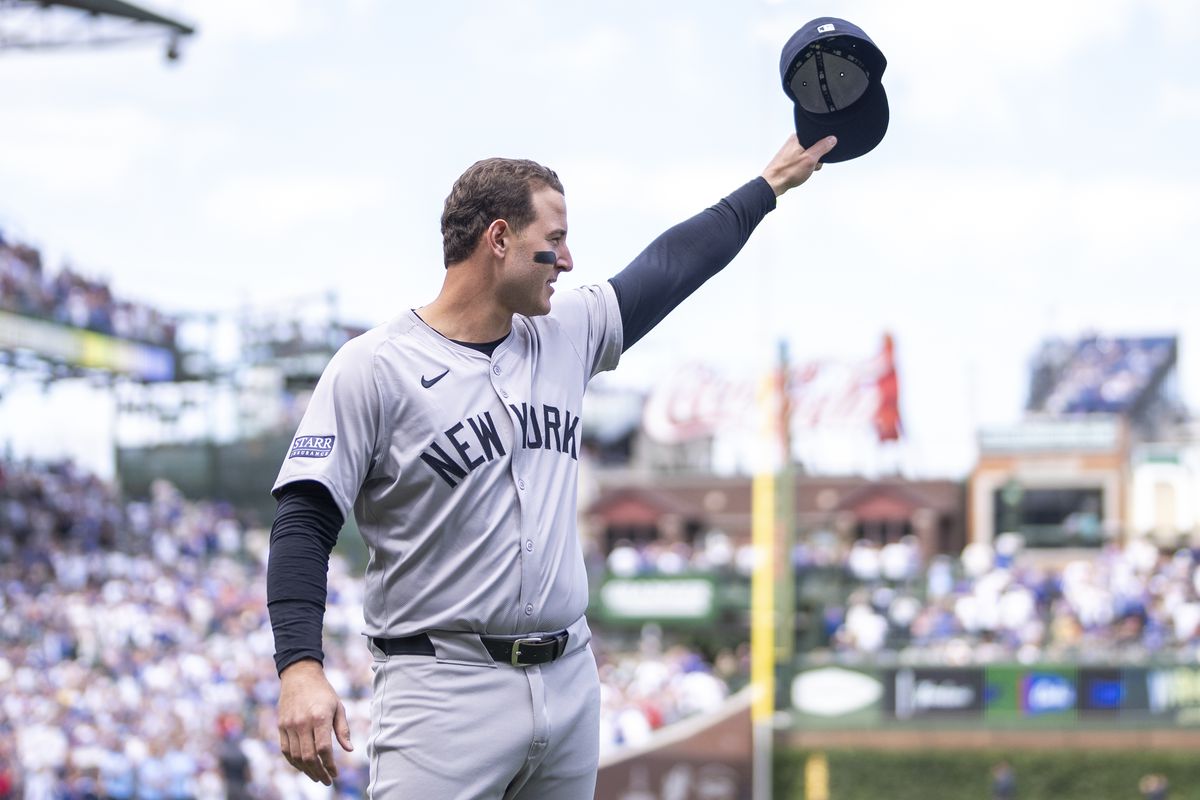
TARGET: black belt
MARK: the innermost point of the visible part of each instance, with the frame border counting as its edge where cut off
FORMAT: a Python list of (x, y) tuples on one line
[(517, 651)]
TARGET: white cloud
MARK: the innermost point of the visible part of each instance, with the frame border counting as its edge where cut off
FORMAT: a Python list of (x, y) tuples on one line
[(77, 151), (686, 71), (594, 51), (262, 20), (276, 204), (930, 217), (670, 190), (525, 35), (1178, 103), (1179, 21)]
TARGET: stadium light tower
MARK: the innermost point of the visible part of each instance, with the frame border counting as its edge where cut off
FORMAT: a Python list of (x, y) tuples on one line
[(62, 24)]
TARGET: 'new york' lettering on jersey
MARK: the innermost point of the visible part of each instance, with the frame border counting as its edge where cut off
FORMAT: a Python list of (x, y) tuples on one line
[(464, 488), (559, 427)]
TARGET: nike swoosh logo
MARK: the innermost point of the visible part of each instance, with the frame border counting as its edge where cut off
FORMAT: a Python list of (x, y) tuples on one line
[(427, 382)]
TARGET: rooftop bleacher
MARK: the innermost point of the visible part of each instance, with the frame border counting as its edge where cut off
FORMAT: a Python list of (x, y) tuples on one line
[(1099, 374)]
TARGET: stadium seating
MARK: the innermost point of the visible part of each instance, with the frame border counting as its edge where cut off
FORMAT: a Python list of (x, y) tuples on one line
[(136, 656)]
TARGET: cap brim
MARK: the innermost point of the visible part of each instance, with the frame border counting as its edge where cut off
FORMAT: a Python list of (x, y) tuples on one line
[(858, 128)]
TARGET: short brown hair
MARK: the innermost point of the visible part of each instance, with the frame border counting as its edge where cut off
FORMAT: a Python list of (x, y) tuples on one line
[(492, 189)]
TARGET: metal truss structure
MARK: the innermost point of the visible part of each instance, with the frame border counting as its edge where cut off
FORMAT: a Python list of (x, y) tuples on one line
[(65, 24)]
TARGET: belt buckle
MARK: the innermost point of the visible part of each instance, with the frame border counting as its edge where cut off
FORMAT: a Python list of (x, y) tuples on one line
[(516, 646)]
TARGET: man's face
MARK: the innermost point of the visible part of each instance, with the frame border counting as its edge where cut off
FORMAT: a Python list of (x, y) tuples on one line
[(526, 285)]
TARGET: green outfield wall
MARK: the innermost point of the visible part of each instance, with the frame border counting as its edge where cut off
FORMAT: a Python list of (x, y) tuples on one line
[(1048, 697), (1047, 774)]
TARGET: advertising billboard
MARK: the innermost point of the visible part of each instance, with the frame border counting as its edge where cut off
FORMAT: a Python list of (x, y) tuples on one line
[(81, 348), (678, 599), (939, 693), (836, 697), (1005, 696)]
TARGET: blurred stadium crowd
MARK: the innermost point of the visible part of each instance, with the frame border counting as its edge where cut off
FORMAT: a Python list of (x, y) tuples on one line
[(136, 648), (1128, 603), (67, 297), (1125, 604), (1096, 374), (135, 651)]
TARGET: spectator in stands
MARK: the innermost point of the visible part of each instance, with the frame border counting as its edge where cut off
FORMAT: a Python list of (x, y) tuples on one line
[(1153, 786), (1097, 374), (131, 629), (1004, 781), (863, 561), (71, 299), (1130, 602), (136, 658), (8, 773), (655, 686), (235, 766)]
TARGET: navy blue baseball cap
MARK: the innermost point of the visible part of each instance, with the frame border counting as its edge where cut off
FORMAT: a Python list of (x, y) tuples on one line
[(831, 71)]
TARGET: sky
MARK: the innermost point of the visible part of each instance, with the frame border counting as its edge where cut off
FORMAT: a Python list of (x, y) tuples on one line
[(1039, 177)]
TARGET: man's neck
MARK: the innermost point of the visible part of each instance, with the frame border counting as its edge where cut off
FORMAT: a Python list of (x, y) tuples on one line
[(466, 309)]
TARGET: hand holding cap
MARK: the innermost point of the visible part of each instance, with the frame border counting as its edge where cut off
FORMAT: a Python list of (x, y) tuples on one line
[(832, 71)]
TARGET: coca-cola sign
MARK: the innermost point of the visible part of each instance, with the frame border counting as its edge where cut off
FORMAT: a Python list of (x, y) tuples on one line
[(697, 401)]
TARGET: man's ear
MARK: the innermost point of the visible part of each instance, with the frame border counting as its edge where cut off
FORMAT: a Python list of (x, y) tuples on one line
[(496, 237)]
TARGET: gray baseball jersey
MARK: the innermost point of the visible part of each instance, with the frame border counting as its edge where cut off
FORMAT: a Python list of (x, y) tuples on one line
[(461, 469)]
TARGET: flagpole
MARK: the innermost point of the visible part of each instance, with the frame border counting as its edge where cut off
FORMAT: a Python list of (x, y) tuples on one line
[(767, 512)]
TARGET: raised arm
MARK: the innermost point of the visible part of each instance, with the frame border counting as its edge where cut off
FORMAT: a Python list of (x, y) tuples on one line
[(680, 260)]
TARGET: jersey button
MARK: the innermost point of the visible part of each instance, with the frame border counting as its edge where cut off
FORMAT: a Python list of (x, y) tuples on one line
[(528, 610), (529, 545), (521, 484), (496, 369), (504, 394)]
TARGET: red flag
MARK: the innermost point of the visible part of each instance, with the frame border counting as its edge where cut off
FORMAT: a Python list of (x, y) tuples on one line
[(887, 414)]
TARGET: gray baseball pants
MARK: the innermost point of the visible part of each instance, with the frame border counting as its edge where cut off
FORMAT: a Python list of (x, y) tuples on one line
[(460, 726)]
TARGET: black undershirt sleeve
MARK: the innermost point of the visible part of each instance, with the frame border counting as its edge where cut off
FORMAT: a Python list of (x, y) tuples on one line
[(307, 522), (676, 263)]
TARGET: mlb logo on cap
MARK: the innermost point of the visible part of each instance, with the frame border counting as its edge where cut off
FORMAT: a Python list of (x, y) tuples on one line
[(831, 71)]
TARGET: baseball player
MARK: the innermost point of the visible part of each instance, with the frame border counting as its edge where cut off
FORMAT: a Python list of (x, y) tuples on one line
[(452, 433)]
